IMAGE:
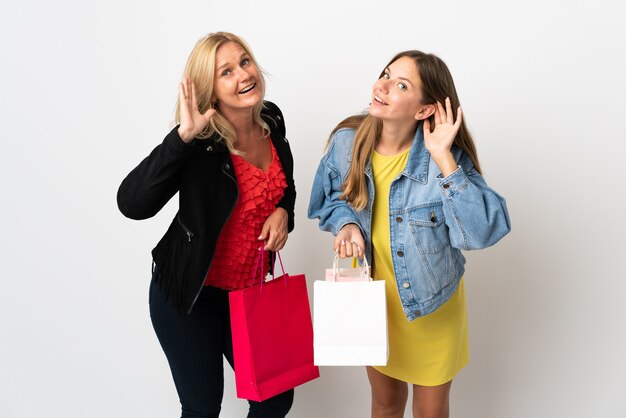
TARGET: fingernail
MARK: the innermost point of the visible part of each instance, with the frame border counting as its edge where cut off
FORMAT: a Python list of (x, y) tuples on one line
[(343, 242), (260, 237)]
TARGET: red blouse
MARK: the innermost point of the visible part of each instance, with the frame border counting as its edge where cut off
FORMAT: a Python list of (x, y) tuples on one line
[(236, 251)]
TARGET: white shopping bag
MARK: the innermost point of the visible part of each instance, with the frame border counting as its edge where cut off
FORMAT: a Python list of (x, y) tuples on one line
[(349, 319)]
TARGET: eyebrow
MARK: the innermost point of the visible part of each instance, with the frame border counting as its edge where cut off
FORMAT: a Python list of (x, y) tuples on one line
[(226, 64), (401, 78)]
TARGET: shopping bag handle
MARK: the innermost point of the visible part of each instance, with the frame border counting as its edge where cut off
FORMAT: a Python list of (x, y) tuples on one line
[(365, 268), (261, 257), (280, 260)]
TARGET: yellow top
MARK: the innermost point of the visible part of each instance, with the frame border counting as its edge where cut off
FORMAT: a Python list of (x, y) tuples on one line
[(430, 350)]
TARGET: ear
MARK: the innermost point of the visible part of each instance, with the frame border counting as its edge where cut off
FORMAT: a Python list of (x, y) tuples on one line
[(425, 112)]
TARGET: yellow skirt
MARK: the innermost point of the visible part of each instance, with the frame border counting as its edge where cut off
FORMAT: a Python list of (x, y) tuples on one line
[(430, 350)]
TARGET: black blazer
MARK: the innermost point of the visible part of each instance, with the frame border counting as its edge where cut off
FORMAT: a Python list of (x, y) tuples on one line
[(202, 172)]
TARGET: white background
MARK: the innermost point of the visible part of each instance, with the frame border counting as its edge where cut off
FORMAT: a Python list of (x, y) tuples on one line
[(87, 89)]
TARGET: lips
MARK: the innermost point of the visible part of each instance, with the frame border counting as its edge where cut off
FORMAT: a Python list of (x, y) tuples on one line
[(247, 89), (380, 101)]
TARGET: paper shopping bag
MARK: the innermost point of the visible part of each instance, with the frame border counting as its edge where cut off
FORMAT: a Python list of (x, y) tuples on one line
[(350, 322), (272, 337)]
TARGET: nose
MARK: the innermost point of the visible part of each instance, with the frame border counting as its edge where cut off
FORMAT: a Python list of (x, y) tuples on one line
[(242, 74), (382, 84)]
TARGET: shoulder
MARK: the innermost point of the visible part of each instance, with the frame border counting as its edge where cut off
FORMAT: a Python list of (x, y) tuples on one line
[(339, 150), (270, 106), (271, 109), (273, 116), (340, 141)]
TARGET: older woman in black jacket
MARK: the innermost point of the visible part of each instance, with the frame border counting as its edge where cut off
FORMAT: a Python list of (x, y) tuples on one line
[(231, 164)]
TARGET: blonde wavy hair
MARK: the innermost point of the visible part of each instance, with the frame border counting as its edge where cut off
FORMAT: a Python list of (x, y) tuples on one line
[(201, 70)]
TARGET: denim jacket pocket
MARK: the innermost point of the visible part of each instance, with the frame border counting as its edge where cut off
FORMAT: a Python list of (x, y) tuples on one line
[(335, 184), (335, 177), (428, 227)]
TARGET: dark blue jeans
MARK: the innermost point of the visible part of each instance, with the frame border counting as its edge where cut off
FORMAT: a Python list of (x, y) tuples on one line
[(194, 345)]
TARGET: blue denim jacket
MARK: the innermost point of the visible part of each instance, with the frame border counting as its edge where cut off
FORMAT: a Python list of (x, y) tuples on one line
[(431, 218)]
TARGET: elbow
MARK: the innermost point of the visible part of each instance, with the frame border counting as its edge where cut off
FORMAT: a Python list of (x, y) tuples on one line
[(484, 238), (122, 204), (127, 210), (499, 227), (130, 209), (495, 237)]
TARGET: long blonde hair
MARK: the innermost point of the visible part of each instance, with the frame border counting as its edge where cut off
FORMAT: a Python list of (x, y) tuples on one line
[(437, 84), (201, 70)]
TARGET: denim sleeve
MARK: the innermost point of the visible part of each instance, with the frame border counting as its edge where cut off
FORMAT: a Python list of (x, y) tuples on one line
[(333, 213), (475, 214)]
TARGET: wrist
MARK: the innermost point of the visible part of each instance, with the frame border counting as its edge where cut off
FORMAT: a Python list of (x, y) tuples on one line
[(185, 135), (350, 227), (445, 161), (441, 154)]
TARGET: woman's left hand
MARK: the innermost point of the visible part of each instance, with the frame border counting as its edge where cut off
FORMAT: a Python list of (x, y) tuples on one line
[(440, 140), (275, 231)]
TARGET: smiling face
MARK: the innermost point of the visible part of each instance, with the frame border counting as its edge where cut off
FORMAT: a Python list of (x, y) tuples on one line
[(237, 84), (397, 94)]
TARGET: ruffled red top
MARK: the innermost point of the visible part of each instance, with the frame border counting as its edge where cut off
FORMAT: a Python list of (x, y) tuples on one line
[(236, 251)]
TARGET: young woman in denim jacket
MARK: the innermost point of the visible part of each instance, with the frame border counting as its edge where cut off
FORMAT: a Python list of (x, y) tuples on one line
[(232, 167), (401, 186)]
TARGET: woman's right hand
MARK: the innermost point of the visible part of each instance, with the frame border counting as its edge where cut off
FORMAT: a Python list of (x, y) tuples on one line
[(192, 122), (349, 242)]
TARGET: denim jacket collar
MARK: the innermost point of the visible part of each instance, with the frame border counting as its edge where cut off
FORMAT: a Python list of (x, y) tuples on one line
[(419, 158)]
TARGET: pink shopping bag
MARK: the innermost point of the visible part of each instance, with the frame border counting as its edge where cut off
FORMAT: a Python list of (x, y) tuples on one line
[(272, 336), (354, 274)]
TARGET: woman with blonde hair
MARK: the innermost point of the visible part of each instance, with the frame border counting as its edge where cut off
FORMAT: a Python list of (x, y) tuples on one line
[(232, 167), (402, 187)]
